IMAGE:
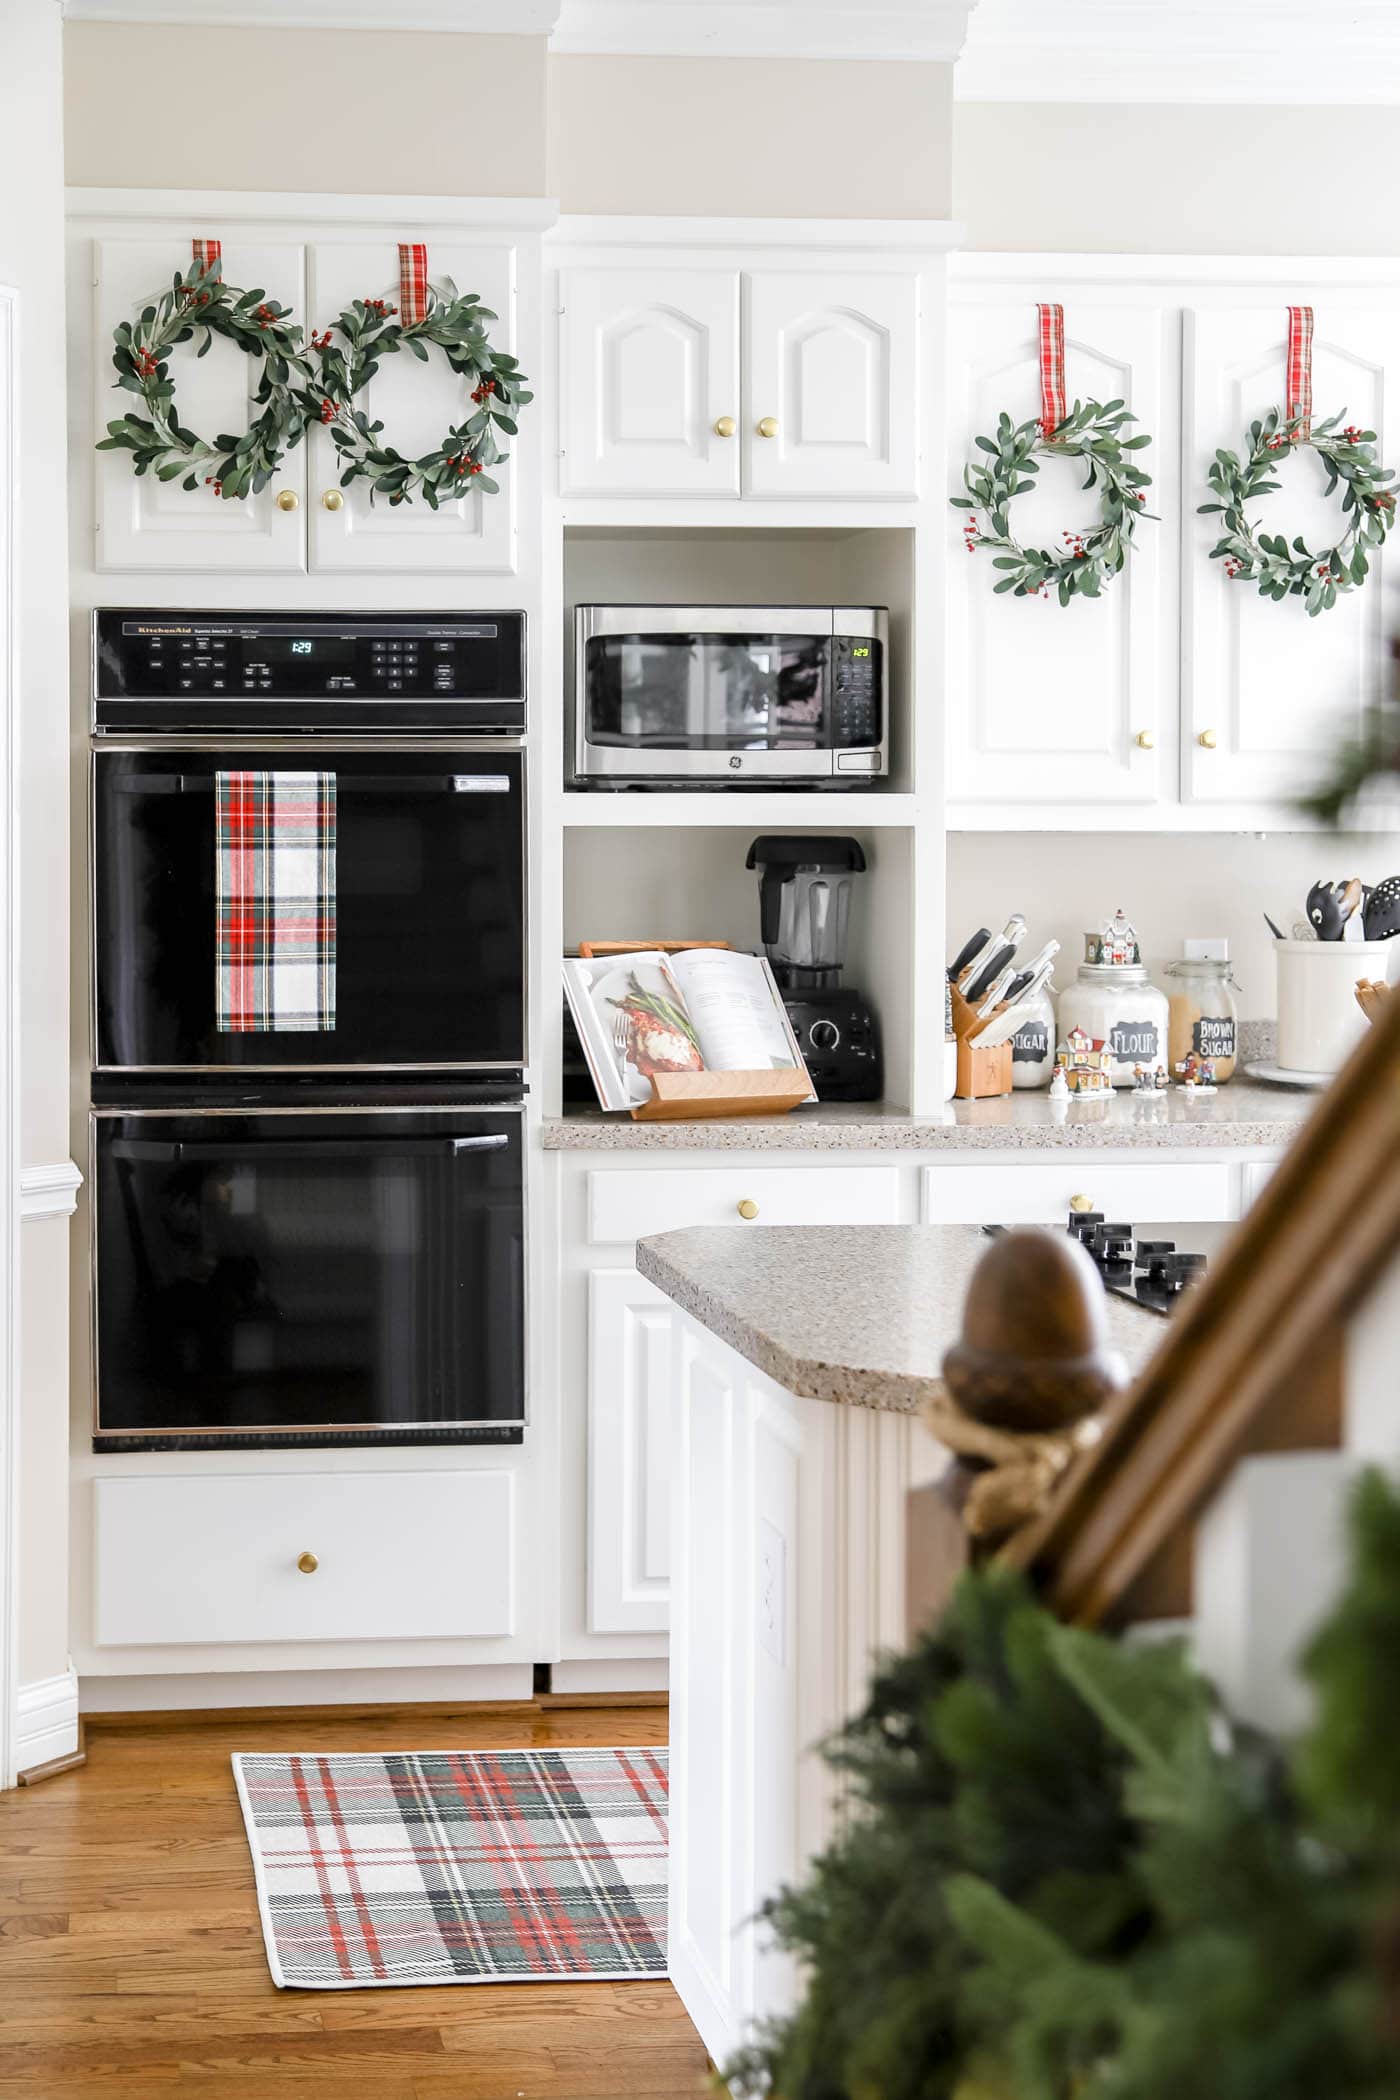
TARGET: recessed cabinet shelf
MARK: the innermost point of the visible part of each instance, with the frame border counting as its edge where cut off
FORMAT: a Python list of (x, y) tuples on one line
[(682, 809)]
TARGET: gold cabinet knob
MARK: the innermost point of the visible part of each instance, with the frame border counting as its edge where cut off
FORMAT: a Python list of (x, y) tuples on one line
[(768, 426), (1208, 738), (725, 426), (333, 499), (308, 1563), (1144, 740), (748, 1208), (287, 499), (1081, 1202)]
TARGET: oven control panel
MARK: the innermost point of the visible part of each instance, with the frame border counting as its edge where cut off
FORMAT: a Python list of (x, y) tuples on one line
[(185, 671)]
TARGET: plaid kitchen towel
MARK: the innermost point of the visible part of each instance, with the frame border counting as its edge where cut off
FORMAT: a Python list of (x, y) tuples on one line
[(275, 902), (456, 1866)]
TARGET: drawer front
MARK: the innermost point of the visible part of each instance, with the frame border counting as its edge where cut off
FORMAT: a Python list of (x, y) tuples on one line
[(399, 1556), (1039, 1192), (626, 1205)]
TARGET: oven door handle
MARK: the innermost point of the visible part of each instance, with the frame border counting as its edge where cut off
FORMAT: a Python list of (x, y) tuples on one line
[(176, 1151), (416, 784)]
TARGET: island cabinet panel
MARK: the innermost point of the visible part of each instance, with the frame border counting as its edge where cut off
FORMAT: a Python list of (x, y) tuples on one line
[(418, 404), (629, 1454), (631, 1203), (1048, 704), (213, 1558), (649, 367), (146, 524), (1041, 1192), (1267, 690), (832, 384)]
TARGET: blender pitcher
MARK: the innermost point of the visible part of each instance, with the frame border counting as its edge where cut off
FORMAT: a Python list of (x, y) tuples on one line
[(804, 893)]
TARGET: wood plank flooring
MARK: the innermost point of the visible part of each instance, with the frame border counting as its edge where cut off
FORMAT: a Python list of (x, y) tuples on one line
[(131, 1957)]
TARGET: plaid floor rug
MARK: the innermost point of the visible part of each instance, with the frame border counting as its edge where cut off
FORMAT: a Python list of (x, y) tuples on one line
[(454, 1866)]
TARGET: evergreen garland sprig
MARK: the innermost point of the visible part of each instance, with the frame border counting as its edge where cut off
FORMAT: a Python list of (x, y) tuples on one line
[(1318, 575), (233, 466), (370, 330), (1093, 432)]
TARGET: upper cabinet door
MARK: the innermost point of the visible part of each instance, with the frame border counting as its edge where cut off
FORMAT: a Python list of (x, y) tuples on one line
[(418, 404), (831, 363), (1050, 705), (1269, 694), (145, 524), (650, 382)]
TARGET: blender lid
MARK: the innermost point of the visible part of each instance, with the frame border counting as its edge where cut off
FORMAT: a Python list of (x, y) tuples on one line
[(818, 850)]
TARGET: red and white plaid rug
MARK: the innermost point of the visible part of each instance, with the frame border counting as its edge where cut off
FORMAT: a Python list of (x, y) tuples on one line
[(455, 1866)]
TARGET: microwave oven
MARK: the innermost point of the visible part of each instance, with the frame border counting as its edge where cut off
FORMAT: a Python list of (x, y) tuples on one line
[(689, 695)]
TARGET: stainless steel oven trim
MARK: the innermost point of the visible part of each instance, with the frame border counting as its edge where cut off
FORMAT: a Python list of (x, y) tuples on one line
[(479, 745), (504, 1108)]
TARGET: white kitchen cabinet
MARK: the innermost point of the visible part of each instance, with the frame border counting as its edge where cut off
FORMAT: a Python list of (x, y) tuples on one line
[(1267, 692), (631, 1203), (1049, 705), (831, 384), (145, 524), (417, 403), (711, 381), (629, 1453), (649, 382), (985, 1191)]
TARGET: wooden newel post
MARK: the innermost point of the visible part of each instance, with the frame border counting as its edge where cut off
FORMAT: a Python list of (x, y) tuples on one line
[(1021, 1389)]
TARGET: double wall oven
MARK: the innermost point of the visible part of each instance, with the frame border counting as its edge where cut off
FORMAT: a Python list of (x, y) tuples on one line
[(308, 1028)]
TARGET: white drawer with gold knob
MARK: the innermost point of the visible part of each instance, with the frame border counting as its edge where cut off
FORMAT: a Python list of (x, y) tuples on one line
[(628, 1203)]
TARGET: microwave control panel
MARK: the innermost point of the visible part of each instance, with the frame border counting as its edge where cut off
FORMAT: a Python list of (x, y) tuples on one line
[(856, 686)]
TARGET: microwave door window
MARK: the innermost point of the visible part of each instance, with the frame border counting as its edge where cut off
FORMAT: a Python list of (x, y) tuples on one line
[(706, 692)]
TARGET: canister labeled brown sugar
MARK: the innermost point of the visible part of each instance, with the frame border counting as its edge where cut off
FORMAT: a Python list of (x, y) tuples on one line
[(1203, 1016)]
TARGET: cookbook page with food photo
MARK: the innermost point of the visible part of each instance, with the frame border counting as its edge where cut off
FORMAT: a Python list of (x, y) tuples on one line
[(700, 1010)]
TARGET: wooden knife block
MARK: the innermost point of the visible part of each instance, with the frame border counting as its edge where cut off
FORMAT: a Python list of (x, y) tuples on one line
[(982, 1074)]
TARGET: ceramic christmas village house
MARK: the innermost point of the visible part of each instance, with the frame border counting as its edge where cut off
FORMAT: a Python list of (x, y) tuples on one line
[(1087, 1067)]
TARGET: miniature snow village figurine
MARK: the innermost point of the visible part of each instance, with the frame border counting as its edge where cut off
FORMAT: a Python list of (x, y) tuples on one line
[(1059, 1085), (1086, 1070), (1150, 1079), (1115, 943), (1197, 1074)]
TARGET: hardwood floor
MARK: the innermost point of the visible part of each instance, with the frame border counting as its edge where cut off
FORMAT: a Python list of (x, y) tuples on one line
[(131, 1957)]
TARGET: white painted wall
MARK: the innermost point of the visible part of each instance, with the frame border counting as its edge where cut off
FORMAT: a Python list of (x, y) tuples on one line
[(31, 259)]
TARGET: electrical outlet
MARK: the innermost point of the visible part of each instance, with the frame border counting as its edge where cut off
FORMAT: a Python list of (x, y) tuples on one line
[(772, 1591)]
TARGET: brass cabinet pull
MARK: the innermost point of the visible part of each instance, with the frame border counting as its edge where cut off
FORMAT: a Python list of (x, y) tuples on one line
[(333, 500), (1208, 738), (1081, 1202), (1144, 740), (748, 1208), (308, 1563), (287, 499), (725, 426), (768, 426)]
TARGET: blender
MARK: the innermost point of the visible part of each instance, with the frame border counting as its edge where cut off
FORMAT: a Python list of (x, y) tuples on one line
[(805, 887)]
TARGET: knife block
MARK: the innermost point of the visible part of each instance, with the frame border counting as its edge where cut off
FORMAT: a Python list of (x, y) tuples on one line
[(982, 1074)]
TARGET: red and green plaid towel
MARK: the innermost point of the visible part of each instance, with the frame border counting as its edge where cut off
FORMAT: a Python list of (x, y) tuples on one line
[(275, 902), (456, 1866)]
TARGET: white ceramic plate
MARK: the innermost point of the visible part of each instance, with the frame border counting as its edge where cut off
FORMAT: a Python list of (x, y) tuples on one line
[(1281, 1075)]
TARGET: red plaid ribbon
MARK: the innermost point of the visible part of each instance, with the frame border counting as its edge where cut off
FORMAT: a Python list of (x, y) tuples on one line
[(1053, 407), (1300, 342), (205, 253), (413, 281)]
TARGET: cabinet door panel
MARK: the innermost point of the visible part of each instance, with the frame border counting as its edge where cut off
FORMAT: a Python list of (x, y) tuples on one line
[(833, 361), (1046, 703), (1276, 690), (417, 404), (629, 1453), (148, 524), (650, 363)]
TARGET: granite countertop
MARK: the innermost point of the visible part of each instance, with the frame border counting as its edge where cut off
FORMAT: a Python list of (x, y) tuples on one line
[(1243, 1113), (859, 1314)]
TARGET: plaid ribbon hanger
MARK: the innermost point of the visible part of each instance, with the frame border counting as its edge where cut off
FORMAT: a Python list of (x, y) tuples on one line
[(414, 291), (275, 902), (1053, 404), (1300, 353)]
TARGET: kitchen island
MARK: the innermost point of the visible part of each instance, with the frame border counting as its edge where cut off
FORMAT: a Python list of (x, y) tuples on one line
[(800, 1357)]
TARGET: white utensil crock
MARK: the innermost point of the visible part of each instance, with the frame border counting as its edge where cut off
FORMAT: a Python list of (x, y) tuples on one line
[(1319, 1021)]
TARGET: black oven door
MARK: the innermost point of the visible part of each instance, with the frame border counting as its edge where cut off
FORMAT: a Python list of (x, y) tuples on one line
[(308, 1277), (425, 929)]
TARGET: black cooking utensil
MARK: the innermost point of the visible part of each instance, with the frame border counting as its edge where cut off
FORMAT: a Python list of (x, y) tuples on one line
[(1272, 928), (1380, 915)]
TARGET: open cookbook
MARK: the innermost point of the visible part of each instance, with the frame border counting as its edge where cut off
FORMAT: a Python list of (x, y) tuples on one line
[(699, 1010)]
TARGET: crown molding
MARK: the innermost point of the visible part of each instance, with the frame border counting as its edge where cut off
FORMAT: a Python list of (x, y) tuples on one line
[(1193, 51), (908, 29), (513, 18)]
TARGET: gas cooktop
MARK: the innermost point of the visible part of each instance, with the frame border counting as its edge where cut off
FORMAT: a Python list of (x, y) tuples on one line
[(1152, 1273)]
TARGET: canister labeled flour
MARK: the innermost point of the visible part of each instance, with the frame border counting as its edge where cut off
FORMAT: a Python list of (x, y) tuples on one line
[(1114, 1004)]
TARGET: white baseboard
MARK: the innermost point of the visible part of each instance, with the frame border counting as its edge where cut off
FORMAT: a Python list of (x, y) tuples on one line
[(49, 1191), (191, 1694), (48, 1720), (643, 1673)]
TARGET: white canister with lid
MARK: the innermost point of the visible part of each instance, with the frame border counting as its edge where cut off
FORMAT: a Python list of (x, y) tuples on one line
[(1118, 1006), (1033, 1045)]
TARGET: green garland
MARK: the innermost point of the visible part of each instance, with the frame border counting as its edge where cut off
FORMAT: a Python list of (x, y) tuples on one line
[(370, 331), (1319, 575), (1092, 432), (159, 442)]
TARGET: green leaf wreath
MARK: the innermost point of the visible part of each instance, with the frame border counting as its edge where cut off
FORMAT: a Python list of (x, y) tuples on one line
[(1092, 432), (1317, 574), (349, 352), (200, 302)]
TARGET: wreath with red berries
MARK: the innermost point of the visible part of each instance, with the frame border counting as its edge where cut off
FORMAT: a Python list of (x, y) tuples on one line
[(349, 352), (1093, 432), (1319, 575), (160, 444)]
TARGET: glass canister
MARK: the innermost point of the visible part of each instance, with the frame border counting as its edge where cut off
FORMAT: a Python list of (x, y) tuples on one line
[(1203, 1016), (1033, 1045), (1117, 1007)]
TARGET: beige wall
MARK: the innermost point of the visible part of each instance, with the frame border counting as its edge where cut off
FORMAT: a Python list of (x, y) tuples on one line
[(360, 112), (1186, 181), (31, 260), (805, 138)]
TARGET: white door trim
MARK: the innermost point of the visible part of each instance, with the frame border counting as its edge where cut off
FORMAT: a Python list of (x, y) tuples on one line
[(49, 1191), (9, 1043)]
